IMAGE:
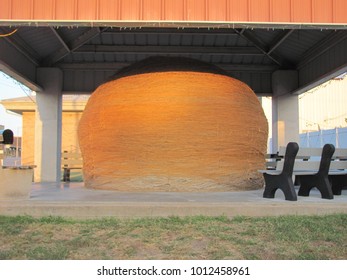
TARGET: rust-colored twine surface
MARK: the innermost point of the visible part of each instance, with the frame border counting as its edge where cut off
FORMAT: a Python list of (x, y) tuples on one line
[(173, 131)]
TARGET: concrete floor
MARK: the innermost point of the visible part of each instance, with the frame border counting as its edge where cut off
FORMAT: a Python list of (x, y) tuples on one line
[(73, 200)]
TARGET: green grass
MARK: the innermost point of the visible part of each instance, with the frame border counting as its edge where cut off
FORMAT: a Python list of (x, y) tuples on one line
[(197, 237)]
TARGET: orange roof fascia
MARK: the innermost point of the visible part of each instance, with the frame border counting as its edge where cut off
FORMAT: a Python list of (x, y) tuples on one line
[(321, 12)]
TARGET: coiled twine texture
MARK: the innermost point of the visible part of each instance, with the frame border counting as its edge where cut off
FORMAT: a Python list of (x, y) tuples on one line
[(173, 131)]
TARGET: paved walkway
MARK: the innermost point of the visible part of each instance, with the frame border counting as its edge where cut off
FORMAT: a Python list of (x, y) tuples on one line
[(73, 200)]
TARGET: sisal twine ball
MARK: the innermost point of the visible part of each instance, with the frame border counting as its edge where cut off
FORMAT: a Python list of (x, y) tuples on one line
[(181, 131)]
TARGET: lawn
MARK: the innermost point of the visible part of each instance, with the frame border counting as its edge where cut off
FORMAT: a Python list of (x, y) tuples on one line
[(198, 237)]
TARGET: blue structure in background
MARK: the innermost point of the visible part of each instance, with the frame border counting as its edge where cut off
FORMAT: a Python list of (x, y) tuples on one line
[(317, 139)]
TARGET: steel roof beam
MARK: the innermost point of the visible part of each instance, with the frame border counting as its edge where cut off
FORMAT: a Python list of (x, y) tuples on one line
[(248, 67), (20, 45), (61, 40), (279, 40), (168, 50), (17, 65), (321, 47), (113, 66), (96, 66), (169, 31), (251, 37), (70, 47)]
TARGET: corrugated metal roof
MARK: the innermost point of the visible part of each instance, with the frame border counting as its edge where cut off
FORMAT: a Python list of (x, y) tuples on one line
[(40, 39), (295, 11), (300, 42), (171, 38), (88, 56), (70, 34)]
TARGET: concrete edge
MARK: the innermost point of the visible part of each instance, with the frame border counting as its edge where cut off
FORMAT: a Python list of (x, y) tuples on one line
[(92, 210)]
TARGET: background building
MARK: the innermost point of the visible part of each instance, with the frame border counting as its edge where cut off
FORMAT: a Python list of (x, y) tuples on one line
[(324, 107), (322, 114), (73, 106)]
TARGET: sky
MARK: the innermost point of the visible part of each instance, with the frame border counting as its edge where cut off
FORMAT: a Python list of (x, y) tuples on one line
[(10, 88)]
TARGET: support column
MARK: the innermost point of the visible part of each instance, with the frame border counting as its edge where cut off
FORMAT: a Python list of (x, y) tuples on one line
[(285, 109), (48, 125)]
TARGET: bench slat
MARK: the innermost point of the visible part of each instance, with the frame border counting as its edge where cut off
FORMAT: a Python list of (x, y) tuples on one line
[(271, 172), (301, 165), (70, 155), (340, 153), (313, 152), (304, 172), (71, 161), (311, 165), (303, 152), (338, 172), (338, 164)]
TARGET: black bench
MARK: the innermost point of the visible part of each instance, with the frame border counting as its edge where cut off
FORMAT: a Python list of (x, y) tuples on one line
[(308, 173), (308, 179), (282, 179), (338, 171)]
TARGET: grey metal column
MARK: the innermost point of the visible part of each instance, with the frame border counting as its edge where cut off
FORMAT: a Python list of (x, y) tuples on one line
[(285, 108), (48, 122)]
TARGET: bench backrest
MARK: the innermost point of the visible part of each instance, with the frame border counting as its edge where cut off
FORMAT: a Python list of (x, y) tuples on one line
[(271, 161), (303, 153), (311, 159), (340, 154), (285, 162), (71, 159), (275, 161), (339, 159), (303, 160)]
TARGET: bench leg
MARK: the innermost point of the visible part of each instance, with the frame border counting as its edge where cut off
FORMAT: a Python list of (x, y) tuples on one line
[(288, 190), (308, 182), (337, 183), (325, 189), (297, 181), (337, 190), (66, 175), (305, 186), (275, 182)]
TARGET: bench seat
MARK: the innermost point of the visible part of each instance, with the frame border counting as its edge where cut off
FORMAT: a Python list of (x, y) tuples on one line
[(304, 172)]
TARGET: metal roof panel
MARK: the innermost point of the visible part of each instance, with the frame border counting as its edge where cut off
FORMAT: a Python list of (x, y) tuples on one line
[(227, 11), (40, 39), (301, 41)]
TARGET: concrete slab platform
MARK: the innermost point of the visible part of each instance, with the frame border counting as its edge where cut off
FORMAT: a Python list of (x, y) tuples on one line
[(75, 201)]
